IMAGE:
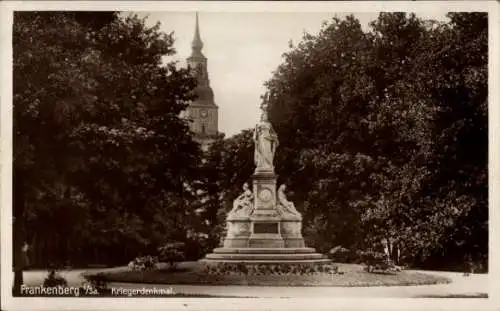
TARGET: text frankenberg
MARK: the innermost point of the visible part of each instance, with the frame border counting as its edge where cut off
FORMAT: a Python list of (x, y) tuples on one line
[(141, 291), (75, 291), (50, 291)]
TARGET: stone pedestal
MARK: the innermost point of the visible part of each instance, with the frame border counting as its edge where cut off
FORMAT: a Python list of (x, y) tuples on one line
[(238, 232), (264, 190), (291, 231), (267, 235), (265, 220), (270, 227)]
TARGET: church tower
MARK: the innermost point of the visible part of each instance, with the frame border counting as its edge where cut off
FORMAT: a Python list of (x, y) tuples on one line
[(203, 112)]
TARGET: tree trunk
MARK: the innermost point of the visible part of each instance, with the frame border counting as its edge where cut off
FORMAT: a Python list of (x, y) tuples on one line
[(18, 257), (18, 230), (395, 254), (387, 248)]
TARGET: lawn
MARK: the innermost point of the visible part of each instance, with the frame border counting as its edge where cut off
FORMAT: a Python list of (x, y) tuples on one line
[(108, 293), (192, 273)]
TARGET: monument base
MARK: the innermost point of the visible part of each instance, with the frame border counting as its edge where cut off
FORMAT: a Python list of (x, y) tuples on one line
[(263, 256), (266, 255), (266, 261), (272, 242)]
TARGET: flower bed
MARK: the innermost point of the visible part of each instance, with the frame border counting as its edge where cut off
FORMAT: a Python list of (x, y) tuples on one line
[(348, 275), (269, 269)]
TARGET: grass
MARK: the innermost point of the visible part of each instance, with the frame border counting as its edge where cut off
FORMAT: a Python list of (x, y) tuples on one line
[(109, 294), (353, 276)]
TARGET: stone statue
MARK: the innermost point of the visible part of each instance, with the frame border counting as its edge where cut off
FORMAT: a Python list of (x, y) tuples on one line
[(266, 141), (243, 204), (283, 204)]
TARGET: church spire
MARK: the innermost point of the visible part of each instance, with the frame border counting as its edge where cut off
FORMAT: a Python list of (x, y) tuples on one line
[(202, 111), (197, 44)]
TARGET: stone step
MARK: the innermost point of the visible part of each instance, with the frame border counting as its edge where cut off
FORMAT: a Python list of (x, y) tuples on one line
[(251, 261), (255, 250), (266, 257)]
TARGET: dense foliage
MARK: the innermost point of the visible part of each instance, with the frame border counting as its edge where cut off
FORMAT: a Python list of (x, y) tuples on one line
[(384, 134), (102, 161), (383, 137)]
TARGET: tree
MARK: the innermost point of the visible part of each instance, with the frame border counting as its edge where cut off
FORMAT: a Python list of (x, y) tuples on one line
[(320, 97), (98, 142), (47, 77), (451, 92), (144, 147), (373, 124), (459, 187)]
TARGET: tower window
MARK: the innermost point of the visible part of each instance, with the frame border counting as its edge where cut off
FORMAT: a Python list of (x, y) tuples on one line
[(203, 130)]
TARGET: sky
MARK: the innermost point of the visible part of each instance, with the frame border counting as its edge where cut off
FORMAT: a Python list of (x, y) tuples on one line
[(243, 49)]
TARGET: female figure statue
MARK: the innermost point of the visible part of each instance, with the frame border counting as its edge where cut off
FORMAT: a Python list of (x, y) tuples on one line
[(242, 205), (266, 141), (283, 202)]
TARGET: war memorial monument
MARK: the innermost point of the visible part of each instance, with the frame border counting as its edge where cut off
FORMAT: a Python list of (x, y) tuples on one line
[(263, 227)]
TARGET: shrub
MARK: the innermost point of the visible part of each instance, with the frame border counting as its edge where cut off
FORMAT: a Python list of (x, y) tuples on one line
[(377, 262), (54, 279), (144, 263), (172, 253), (343, 255), (97, 281)]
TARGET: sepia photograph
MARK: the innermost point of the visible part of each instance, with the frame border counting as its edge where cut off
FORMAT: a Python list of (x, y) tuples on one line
[(201, 154)]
